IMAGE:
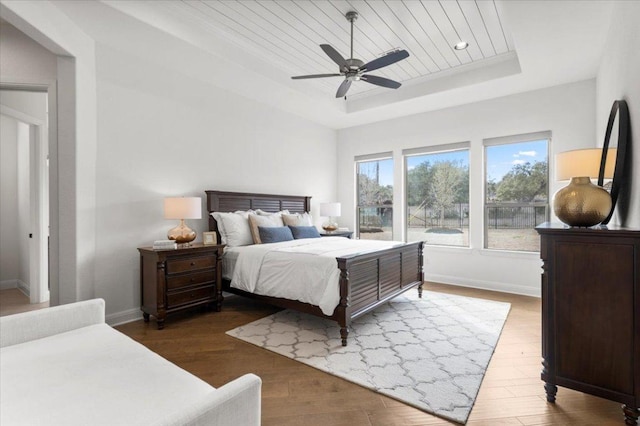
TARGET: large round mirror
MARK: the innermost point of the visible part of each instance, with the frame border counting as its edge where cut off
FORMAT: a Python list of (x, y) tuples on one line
[(615, 145)]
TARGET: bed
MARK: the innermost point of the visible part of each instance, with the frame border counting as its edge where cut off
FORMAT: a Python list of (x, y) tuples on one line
[(366, 280)]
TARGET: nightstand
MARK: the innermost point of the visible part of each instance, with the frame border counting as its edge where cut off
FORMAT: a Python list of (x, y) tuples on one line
[(347, 234), (178, 279)]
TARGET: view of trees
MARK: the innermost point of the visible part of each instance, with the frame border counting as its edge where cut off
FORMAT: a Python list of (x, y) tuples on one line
[(440, 185), (371, 193), (523, 183)]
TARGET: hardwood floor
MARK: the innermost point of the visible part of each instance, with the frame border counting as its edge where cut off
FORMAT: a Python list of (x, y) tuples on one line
[(295, 394), (13, 301)]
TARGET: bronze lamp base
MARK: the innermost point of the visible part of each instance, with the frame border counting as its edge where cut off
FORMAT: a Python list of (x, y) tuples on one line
[(581, 203)]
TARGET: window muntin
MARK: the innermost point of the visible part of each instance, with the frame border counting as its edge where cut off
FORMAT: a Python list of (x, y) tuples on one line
[(437, 197), (374, 180), (516, 194)]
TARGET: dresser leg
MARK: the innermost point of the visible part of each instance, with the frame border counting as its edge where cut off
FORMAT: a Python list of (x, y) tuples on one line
[(551, 390), (145, 316), (630, 415), (160, 323)]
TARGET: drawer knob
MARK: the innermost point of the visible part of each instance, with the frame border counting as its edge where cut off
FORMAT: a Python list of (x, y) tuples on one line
[(193, 263), (192, 294), (192, 280)]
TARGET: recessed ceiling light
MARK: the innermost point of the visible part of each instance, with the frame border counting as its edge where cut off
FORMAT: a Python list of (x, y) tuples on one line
[(461, 45)]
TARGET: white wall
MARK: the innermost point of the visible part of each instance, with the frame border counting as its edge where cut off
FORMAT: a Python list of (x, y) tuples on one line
[(15, 200), (9, 256), (23, 57), (72, 138), (618, 78), (22, 60), (568, 111), (162, 133), (24, 203), (30, 110), (183, 139)]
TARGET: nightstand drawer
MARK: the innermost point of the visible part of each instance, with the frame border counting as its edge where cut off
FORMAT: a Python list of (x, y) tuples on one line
[(188, 296), (190, 264), (179, 281)]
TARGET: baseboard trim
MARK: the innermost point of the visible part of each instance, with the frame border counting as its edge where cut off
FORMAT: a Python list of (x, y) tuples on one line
[(484, 285), (8, 284), (24, 288), (123, 317)]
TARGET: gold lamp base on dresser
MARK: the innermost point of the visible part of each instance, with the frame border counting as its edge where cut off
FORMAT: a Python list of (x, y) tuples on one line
[(581, 203)]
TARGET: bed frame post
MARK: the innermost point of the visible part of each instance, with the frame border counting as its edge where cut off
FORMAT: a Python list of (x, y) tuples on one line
[(342, 310)]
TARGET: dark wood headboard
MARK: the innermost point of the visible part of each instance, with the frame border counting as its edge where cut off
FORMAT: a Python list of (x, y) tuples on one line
[(220, 201)]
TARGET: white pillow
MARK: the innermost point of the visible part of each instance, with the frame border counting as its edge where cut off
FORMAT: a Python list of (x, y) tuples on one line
[(297, 219), (263, 213), (271, 220), (234, 228)]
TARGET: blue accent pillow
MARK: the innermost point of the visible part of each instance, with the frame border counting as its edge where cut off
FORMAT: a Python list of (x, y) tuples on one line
[(274, 234), (304, 232)]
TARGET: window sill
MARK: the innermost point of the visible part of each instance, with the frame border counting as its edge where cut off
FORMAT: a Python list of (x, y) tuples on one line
[(447, 249), (510, 253)]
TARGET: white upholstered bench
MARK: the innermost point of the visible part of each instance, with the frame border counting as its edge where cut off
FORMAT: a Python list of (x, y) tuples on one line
[(65, 366)]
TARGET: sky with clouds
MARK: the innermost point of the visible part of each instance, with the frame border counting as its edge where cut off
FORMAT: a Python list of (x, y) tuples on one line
[(499, 159)]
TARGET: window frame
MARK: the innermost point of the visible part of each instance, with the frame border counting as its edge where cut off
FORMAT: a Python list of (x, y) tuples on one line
[(367, 159), (428, 150), (510, 140)]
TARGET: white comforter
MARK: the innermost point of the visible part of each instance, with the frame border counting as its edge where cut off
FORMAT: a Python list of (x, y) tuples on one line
[(305, 270)]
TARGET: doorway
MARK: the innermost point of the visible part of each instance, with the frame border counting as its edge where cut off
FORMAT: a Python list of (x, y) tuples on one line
[(24, 192)]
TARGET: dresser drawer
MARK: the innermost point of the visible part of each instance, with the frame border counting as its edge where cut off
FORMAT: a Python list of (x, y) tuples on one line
[(188, 296), (186, 280), (181, 279), (190, 264)]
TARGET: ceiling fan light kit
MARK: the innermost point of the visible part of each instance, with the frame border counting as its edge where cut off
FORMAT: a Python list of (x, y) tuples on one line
[(354, 69)]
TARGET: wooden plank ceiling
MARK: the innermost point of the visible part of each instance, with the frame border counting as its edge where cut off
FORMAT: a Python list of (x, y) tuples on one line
[(287, 34)]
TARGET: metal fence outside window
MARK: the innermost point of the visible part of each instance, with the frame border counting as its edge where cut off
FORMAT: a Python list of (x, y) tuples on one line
[(515, 215), (455, 217)]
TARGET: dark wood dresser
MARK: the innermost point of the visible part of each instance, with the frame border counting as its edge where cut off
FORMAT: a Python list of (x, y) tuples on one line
[(173, 280), (591, 313)]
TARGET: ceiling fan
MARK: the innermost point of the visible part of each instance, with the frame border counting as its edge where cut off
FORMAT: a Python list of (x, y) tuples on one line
[(354, 69)]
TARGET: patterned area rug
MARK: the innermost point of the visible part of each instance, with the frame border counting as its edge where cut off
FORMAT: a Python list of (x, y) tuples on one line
[(431, 353)]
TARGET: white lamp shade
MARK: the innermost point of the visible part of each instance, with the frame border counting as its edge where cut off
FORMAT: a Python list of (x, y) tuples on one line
[(330, 209), (183, 208), (584, 163)]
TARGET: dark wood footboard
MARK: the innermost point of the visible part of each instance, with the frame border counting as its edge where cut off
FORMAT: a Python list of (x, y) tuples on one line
[(367, 280), (371, 279)]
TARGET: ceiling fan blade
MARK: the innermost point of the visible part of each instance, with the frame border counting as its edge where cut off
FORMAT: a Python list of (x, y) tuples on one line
[(385, 60), (380, 81), (344, 87), (299, 77), (335, 56)]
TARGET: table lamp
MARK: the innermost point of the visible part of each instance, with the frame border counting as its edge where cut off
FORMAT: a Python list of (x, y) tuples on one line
[(581, 203), (330, 210), (182, 208)]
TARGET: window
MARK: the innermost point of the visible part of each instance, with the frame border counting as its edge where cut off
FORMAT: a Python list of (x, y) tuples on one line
[(374, 180), (516, 191), (437, 199)]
